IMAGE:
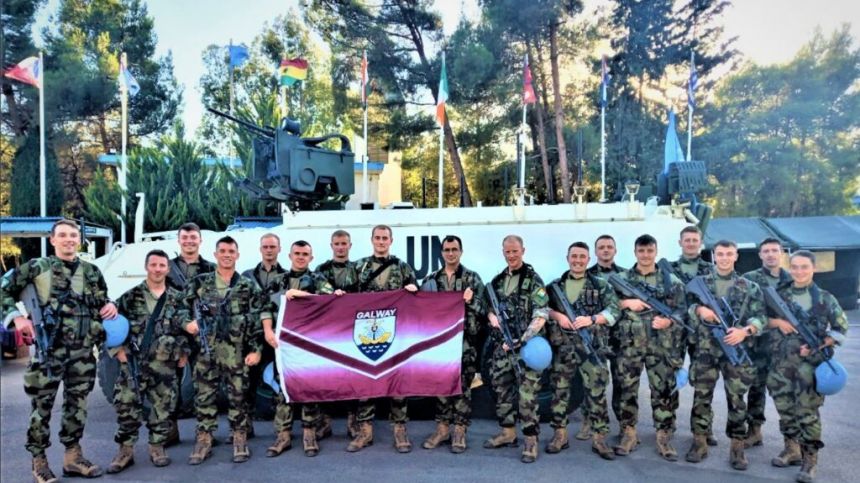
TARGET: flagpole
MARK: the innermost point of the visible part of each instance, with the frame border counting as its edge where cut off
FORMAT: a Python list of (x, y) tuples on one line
[(522, 146), (441, 170), (364, 180), (123, 95), (690, 114), (230, 66), (442, 130), (42, 197), (603, 151)]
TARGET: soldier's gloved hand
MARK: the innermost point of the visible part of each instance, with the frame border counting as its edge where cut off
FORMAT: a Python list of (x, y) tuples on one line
[(706, 314), (121, 356), (271, 339), (468, 294), (411, 288), (192, 328), (252, 359), (108, 312), (25, 327), (494, 321)]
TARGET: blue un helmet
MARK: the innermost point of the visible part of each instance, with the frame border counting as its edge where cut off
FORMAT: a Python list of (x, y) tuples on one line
[(537, 353), (116, 331), (269, 378), (682, 377), (830, 377)]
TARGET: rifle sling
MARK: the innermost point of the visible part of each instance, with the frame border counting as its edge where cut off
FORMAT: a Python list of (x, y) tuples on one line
[(391, 261), (150, 323)]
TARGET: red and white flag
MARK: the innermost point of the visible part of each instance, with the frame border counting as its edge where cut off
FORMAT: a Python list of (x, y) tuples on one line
[(28, 71)]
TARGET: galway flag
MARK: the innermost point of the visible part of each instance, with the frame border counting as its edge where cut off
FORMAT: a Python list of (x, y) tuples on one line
[(367, 345), (692, 84), (604, 81), (443, 94), (127, 80), (364, 84), (292, 71), (28, 71), (528, 90)]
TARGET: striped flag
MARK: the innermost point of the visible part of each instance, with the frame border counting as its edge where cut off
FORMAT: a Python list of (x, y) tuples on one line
[(604, 81), (292, 71), (28, 71), (692, 84), (528, 90), (364, 83), (127, 80), (443, 94)]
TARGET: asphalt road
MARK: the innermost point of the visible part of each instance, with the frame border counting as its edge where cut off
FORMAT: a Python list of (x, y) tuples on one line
[(380, 463)]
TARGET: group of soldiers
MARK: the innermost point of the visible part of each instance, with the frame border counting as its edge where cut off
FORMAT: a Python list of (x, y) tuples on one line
[(191, 311)]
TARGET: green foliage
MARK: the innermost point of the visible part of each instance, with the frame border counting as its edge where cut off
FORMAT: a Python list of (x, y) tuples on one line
[(24, 199)]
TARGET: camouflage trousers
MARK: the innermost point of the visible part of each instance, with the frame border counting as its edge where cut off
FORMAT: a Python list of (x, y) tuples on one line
[(791, 383), (709, 362), (661, 380), (515, 399), (76, 369), (757, 397), (458, 409), (158, 384), (225, 365), (311, 413), (367, 410), (566, 360)]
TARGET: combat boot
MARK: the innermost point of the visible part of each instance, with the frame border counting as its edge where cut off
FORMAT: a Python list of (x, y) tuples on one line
[(584, 431), (530, 449), (664, 445), (699, 449), (441, 435), (599, 446), (363, 438), (351, 425), (172, 434), (810, 461), (41, 472), (629, 441), (324, 429), (158, 456), (281, 444), (123, 459), (790, 455), (754, 437), (74, 464), (309, 441), (505, 437), (202, 448), (458, 439), (736, 456), (558, 442), (401, 438), (241, 452)]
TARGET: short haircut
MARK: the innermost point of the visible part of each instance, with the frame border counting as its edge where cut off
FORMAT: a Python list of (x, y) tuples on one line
[(66, 222), (726, 244), (340, 233), (578, 244), (691, 229), (644, 241), (271, 235), (299, 243), (805, 254), (155, 253), (190, 226), (226, 239), (769, 240), (453, 238), (515, 238), (604, 237), (382, 227)]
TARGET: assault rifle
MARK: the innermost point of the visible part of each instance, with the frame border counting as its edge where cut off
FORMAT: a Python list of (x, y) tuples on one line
[(176, 276), (630, 290), (203, 327), (571, 314), (45, 324), (133, 366), (501, 311), (800, 323), (737, 354)]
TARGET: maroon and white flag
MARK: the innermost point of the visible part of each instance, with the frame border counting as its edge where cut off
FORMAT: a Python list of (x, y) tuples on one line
[(361, 346)]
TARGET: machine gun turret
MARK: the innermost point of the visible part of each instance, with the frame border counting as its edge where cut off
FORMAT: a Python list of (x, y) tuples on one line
[(287, 168)]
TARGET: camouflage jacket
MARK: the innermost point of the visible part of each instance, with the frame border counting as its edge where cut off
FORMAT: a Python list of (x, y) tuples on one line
[(464, 278), (601, 271), (76, 291), (262, 276), (764, 279), (168, 341), (235, 312), (595, 297), (682, 268), (526, 301), (745, 298), (187, 271), (825, 317), (341, 275), (396, 276)]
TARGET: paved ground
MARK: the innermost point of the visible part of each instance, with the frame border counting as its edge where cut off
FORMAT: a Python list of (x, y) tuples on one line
[(838, 461)]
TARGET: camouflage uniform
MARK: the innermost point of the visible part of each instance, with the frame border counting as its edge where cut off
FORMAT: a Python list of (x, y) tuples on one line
[(341, 275), (458, 409), (398, 275), (747, 303), (313, 283), (523, 292), (614, 347), (157, 363), (761, 348), (657, 353), (76, 291), (188, 271), (791, 381), (231, 336), (590, 296)]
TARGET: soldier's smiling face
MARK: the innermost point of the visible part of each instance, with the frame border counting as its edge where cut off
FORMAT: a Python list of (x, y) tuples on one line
[(770, 254), (226, 255), (577, 260), (725, 258), (645, 255), (802, 269), (300, 257), (691, 245), (513, 252), (65, 240), (189, 242), (157, 269)]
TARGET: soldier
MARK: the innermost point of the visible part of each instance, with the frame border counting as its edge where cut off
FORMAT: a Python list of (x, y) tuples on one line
[(522, 290), (770, 274), (298, 282), (76, 292), (378, 273), (791, 381), (596, 307), (746, 301), (458, 409), (231, 308), (154, 350), (604, 249), (650, 340)]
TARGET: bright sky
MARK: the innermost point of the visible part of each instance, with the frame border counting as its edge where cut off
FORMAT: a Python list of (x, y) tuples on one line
[(768, 30)]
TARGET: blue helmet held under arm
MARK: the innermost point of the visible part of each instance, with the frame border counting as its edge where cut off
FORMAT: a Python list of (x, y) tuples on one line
[(830, 377), (536, 353)]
